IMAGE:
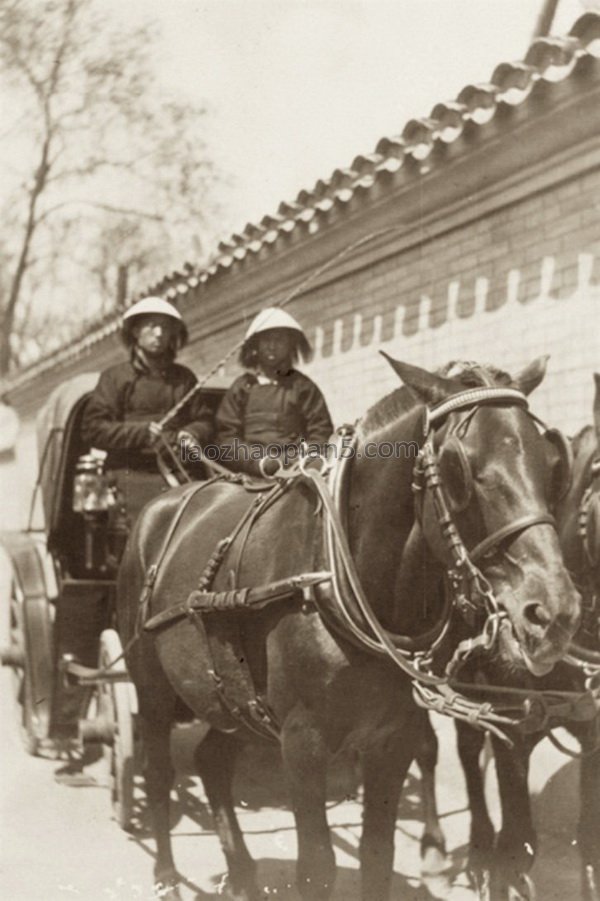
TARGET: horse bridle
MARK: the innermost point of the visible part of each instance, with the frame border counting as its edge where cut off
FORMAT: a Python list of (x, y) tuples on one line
[(432, 691), (468, 586), (427, 474)]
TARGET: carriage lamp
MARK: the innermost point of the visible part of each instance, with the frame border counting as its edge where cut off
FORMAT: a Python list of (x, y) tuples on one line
[(91, 490), (93, 497)]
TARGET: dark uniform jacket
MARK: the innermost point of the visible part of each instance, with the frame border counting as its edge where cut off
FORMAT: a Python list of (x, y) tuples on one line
[(280, 412), (127, 398)]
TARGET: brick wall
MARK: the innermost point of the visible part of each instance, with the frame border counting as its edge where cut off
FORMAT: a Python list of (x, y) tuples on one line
[(522, 281)]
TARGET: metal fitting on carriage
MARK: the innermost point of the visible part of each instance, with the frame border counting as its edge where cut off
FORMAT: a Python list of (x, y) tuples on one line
[(92, 492)]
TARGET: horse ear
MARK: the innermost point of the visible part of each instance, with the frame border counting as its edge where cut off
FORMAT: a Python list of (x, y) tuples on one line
[(530, 377), (425, 386), (597, 407)]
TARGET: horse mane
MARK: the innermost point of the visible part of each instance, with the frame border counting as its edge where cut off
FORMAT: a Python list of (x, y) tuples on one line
[(464, 373)]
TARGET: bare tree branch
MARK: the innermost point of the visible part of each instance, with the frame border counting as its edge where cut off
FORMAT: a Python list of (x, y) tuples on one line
[(106, 142), (98, 205)]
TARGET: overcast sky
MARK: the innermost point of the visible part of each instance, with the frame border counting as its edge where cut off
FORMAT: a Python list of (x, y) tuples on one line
[(298, 88)]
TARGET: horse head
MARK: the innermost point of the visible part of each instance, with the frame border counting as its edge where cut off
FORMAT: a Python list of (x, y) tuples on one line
[(578, 517), (487, 482)]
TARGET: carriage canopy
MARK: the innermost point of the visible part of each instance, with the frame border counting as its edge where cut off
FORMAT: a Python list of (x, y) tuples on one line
[(59, 445)]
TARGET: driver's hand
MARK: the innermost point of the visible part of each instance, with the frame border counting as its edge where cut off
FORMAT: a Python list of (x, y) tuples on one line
[(187, 439), (158, 436)]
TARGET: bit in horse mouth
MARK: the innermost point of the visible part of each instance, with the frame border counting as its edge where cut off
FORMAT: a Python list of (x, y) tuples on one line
[(537, 669)]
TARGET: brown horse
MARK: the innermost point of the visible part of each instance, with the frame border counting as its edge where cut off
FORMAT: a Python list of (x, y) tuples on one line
[(501, 864), (324, 689)]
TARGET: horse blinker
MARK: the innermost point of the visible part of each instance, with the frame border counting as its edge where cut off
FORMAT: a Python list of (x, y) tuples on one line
[(561, 464), (456, 475)]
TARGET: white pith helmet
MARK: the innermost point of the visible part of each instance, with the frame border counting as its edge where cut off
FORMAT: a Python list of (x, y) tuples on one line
[(156, 306), (272, 317)]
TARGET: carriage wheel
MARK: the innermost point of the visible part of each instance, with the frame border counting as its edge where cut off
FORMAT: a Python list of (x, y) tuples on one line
[(26, 635), (12, 649), (114, 702), (32, 628)]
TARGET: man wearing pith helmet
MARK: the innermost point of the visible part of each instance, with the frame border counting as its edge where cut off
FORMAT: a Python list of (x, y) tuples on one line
[(132, 394), (271, 406)]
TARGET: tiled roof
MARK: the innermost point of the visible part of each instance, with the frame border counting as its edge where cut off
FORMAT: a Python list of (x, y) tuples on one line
[(549, 59)]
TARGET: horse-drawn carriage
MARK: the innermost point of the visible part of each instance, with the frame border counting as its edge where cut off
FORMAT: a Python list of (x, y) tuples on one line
[(71, 681), (349, 634)]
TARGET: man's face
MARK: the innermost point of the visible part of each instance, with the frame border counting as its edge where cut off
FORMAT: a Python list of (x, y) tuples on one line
[(274, 349), (154, 333)]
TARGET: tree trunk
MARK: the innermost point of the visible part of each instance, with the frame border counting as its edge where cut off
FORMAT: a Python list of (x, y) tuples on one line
[(8, 314)]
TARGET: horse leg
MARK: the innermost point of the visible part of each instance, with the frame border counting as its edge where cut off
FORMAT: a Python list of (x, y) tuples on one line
[(305, 762), (481, 840), (589, 816), (384, 772), (215, 761), (517, 841), (158, 776), (433, 843)]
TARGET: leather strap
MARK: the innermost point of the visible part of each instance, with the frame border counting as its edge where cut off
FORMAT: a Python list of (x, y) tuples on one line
[(238, 598), (152, 571), (510, 530), (473, 397)]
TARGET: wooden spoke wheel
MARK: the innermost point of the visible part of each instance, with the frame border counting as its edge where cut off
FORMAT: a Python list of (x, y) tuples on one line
[(12, 640), (27, 642), (31, 626), (116, 710)]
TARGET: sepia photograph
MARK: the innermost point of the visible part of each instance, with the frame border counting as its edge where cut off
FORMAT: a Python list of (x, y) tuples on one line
[(300, 450)]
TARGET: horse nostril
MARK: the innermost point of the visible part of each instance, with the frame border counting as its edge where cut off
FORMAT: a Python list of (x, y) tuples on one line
[(537, 615)]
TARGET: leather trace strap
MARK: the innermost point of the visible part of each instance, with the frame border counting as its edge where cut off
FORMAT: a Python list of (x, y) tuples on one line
[(239, 598)]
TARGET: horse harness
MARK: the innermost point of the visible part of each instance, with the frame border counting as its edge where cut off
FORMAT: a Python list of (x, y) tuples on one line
[(340, 599), (588, 530), (585, 522)]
